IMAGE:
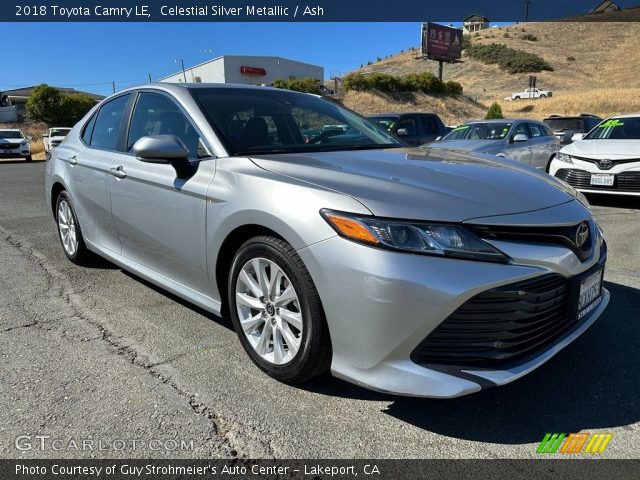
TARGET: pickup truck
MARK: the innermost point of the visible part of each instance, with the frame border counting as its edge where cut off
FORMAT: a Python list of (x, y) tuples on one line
[(530, 93), (54, 138)]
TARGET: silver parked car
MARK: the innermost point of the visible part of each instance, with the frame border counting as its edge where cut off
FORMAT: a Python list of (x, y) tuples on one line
[(420, 272), (522, 140)]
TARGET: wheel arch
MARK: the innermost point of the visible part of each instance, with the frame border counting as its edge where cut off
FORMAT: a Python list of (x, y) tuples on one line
[(228, 248), (56, 189)]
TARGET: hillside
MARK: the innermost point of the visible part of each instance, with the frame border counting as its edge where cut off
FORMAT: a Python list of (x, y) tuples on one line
[(595, 68)]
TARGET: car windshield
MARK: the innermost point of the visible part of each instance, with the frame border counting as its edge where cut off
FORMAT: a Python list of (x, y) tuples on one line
[(10, 134), (385, 122), (479, 131), (627, 128), (262, 121), (60, 132), (559, 124)]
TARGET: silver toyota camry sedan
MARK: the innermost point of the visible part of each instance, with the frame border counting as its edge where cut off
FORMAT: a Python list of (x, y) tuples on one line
[(423, 272)]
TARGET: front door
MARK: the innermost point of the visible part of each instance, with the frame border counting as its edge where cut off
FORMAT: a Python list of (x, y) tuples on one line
[(160, 216)]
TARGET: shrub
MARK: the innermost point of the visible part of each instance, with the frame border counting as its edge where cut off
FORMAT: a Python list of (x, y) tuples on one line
[(530, 37), (424, 82), (50, 105), (509, 59), (466, 41), (571, 59), (494, 112), (506, 35), (307, 85)]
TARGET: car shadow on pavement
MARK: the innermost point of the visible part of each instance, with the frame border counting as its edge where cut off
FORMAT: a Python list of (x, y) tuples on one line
[(614, 201), (594, 383)]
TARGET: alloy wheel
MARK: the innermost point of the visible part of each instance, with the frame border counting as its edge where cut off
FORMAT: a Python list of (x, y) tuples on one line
[(67, 228), (269, 311)]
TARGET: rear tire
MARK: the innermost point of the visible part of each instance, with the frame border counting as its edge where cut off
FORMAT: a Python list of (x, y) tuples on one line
[(69, 232), (29, 158), (276, 311)]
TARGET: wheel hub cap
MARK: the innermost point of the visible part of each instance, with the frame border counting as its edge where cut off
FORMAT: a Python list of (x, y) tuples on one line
[(269, 311)]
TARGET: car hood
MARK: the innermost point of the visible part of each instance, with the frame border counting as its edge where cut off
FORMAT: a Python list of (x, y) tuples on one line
[(425, 184), (467, 145), (612, 149)]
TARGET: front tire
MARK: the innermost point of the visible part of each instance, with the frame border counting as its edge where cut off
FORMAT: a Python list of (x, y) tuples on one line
[(29, 158), (276, 311), (69, 231)]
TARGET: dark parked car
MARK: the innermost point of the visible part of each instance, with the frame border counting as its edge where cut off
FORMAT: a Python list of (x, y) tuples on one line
[(414, 128), (565, 127)]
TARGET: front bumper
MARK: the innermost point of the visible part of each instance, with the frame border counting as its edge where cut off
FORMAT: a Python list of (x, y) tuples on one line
[(20, 152), (380, 305), (578, 175)]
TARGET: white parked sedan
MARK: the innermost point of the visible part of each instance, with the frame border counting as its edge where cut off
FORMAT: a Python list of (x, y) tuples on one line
[(606, 160), (13, 144)]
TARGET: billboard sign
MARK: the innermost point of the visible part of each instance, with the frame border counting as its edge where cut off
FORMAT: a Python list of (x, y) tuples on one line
[(441, 43)]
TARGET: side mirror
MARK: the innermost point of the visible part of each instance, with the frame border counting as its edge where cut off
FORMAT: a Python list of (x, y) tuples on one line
[(577, 136), (520, 137), (166, 149), (160, 149), (402, 132)]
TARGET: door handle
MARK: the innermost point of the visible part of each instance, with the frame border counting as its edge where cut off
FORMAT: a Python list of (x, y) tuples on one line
[(118, 172), (72, 160)]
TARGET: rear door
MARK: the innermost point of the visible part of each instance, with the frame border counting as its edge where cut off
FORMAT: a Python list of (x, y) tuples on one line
[(87, 171), (159, 216)]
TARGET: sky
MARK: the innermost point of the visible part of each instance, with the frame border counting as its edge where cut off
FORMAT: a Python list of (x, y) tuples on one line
[(89, 56)]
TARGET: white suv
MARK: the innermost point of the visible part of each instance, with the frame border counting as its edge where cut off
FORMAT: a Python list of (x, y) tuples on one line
[(13, 144), (606, 160)]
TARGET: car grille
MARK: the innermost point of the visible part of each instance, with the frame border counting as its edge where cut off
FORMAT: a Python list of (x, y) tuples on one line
[(624, 182), (9, 146), (609, 165), (506, 325), (566, 236)]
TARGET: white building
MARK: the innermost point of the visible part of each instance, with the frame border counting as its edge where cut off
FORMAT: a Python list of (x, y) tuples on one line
[(246, 69), (475, 23)]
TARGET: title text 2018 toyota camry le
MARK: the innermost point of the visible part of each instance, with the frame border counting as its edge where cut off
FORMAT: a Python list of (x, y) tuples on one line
[(419, 272)]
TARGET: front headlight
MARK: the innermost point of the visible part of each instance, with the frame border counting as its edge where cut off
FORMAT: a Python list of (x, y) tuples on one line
[(563, 157), (445, 240)]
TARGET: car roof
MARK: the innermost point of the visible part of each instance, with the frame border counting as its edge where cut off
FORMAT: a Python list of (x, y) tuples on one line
[(627, 115), (9, 130), (397, 114), (503, 120)]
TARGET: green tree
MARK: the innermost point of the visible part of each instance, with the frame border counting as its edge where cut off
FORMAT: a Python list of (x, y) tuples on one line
[(44, 104), (53, 107), (74, 106), (494, 112)]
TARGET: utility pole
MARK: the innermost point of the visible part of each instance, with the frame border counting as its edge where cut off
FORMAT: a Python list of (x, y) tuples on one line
[(113, 85), (184, 73), (526, 14), (149, 78), (440, 64)]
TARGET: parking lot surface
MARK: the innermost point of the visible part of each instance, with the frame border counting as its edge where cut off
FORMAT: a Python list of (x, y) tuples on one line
[(98, 354)]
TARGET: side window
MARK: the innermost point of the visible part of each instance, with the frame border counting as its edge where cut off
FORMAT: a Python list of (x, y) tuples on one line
[(107, 124), (429, 125), (547, 132), (521, 128), (535, 130), (88, 129), (409, 124), (157, 114)]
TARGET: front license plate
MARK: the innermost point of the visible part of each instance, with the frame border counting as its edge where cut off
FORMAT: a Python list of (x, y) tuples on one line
[(590, 292), (602, 179)]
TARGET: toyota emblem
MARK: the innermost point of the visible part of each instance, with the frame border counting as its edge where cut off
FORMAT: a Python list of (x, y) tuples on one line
[(582, 234), (605, 164)]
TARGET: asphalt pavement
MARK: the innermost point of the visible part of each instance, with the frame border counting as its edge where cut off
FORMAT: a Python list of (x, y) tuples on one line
[(99, 356)]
